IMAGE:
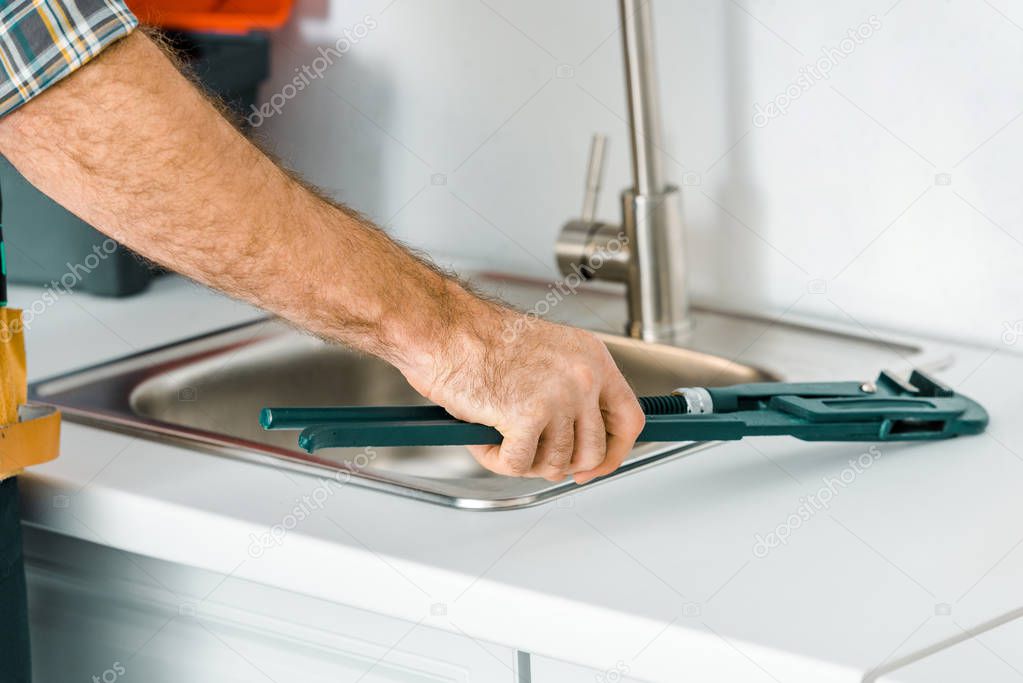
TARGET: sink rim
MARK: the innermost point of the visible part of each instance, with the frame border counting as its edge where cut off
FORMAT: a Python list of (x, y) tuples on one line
[(114, 381), (127, 372)]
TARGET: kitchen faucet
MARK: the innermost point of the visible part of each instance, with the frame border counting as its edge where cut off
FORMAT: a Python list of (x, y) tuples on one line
[(646, 251)]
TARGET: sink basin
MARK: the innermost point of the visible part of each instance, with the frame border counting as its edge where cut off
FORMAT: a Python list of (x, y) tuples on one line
[(207, 392), (225, 392)]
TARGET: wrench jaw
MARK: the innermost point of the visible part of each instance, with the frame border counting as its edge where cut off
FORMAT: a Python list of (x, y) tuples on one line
[(929, 386)]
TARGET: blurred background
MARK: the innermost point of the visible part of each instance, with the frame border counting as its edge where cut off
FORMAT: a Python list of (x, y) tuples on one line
[(850, 162), (884, 194)]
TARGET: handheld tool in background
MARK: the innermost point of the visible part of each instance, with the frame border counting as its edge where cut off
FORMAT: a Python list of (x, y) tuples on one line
[(889, 409), (29, 434)]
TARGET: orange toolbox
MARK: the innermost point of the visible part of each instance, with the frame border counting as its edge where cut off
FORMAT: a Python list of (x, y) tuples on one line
[(213, 16)]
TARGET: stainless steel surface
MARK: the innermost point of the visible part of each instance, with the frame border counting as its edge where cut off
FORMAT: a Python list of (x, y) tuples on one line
[(586, 246), (643, 95), (225, 391), (586, 249), (208, 391), (594, 176), (657, 292), (787, 346), (653, 263)]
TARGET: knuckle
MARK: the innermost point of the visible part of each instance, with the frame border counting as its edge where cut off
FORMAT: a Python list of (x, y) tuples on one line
[(541, 404), (636, 419), (640, 422), (585, 378), (528, 424), (531, 414), (553, 401), (590, 340)]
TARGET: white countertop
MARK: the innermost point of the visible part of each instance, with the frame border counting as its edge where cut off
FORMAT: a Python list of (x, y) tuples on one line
[(658, 570), (993, 656)]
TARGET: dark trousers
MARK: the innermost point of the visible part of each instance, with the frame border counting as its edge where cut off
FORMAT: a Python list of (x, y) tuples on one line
[(14, 654)]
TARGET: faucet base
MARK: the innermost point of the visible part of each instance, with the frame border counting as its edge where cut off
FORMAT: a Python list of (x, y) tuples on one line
[(656, 278), (675, 334)]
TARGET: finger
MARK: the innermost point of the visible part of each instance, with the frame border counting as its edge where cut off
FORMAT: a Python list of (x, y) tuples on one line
[(590, 440), (486, 455), (554, 454), (623, 421), (513, 457)]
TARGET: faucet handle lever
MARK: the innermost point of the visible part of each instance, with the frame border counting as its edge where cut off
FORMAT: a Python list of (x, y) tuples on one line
[(594, 176)]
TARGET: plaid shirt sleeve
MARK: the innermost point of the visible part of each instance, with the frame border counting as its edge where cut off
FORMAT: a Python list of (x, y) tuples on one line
[(43, 41)]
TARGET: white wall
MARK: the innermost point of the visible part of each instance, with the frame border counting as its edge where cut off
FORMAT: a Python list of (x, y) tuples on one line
[(840, 189)]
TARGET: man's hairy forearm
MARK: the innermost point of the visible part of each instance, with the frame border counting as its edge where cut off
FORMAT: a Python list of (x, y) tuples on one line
[(130, 146), (133, 148)]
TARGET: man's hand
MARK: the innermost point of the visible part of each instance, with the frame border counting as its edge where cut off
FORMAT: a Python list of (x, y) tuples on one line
[(552, 391), (130, 146)]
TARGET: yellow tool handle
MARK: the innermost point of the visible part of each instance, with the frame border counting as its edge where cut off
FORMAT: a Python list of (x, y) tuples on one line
[(29, 434), (33, 440)]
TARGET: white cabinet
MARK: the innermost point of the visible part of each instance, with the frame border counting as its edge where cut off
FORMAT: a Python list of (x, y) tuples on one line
[(101, 614)]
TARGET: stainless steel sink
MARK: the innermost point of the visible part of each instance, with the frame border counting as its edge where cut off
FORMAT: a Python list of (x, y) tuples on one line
[(224, 392), (208, 392)]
